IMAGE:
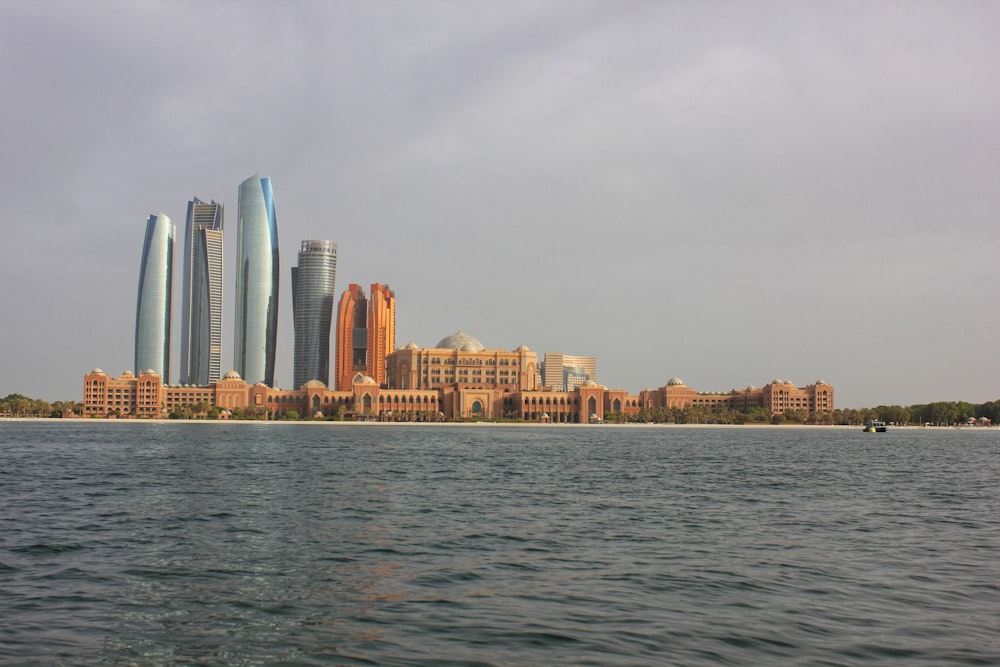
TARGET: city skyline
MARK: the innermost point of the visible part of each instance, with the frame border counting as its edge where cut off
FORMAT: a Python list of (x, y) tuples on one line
[(725, 192), (155, 293)]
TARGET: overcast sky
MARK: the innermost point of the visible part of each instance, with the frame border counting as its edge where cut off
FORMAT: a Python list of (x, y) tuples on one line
[(728, 192)]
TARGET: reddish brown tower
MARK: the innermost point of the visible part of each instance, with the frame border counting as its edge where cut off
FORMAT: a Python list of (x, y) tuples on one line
[(366, 333)]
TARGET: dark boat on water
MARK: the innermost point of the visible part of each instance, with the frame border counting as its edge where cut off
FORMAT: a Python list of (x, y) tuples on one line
[(875, 426)]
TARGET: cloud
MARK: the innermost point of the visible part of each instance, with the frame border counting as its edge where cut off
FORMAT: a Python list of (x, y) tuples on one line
[(724, 191)]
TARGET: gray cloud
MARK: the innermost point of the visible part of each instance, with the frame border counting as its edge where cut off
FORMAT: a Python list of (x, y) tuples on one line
[(724, 191)]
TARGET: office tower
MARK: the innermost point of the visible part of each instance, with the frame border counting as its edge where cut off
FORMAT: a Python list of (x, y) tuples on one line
[(366, 334), (563, 372), (351, 343), (256, 282), (152, 311), (313, 293), (381, 330), (201, 314)]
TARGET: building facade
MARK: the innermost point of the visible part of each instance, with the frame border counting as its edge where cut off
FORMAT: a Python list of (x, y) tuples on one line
[(365, 334), (145, 396), (153, 303), (775, 398), (351, 337), (564, 372), (313, 293), (460, 359), (381, 329), (256, 325), (201, 314), (472, 381)]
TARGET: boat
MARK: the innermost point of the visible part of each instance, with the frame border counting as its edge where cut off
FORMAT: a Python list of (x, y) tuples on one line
[(875, 426)]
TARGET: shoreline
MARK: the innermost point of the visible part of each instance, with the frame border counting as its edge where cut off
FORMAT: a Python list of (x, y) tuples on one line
[(371, 424)]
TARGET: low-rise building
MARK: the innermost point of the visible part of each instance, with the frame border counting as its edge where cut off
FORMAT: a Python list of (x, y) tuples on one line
[(458, 379), (776, 397)]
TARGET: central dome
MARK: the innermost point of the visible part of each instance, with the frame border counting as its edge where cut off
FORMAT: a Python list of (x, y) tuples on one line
[(460, 341)]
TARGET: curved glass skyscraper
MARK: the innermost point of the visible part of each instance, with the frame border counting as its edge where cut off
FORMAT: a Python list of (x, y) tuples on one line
[(152, 311), (313, 293), (201, 311), (256, 282)]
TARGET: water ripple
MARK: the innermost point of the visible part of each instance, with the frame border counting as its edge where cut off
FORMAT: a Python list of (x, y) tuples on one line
[(250, 544)]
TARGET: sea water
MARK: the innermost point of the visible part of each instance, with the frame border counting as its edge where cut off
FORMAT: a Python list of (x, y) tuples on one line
[(135, 543)]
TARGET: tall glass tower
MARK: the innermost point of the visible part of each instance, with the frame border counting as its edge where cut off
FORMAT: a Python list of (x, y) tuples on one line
[(152, 311), (256, 282), (201, 315), (312, 310)]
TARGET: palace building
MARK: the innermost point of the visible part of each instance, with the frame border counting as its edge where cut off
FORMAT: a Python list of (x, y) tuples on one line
[(477, 395), (776, 397), (458, 379)]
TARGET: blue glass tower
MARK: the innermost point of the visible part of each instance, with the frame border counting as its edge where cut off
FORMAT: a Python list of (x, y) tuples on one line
[(256, 282), (152, 311)]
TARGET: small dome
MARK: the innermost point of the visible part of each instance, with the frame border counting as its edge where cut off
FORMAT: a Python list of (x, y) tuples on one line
[(364, 379), (822, 382), (232, 375), (789, 382), (315, 384), (128, 374), (98, 371), (150, 371), (460, 341), (675, 382), (522, 348), (777, 381), (412, 346), (750, 387)]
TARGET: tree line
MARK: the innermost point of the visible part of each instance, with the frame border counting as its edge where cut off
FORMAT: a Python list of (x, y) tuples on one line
[(941, 413), (17, 405)]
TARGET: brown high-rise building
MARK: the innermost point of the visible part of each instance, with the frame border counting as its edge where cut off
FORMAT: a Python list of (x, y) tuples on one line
[(366, 333), (381, 330)]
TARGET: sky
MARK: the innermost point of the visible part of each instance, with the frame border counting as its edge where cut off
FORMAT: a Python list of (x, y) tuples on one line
[(728, 192)]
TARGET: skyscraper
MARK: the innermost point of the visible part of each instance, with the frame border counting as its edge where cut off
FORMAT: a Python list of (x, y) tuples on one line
[(381, 330), (152, 311), (256, 282), (313, 293), (366, 333), (352, 336), (201, 315)]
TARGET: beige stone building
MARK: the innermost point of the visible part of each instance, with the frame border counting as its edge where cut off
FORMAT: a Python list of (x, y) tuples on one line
[(459, 378), (776, 397)]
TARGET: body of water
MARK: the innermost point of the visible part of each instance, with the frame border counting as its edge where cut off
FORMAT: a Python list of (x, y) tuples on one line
[(249, 544)]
